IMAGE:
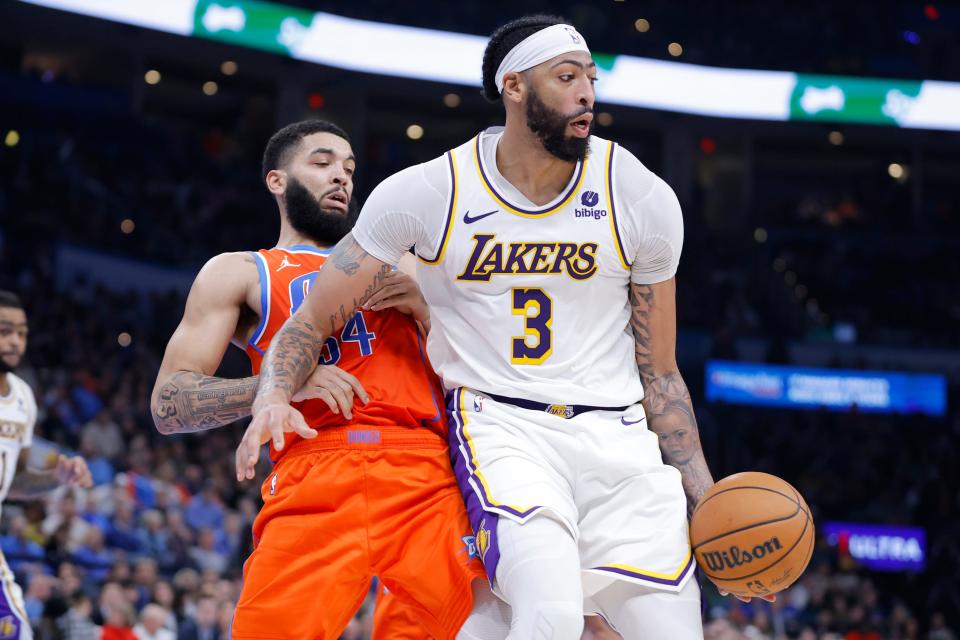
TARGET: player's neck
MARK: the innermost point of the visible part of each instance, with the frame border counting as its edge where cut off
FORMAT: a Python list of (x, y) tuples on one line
[(524, 163), (290, 237), (4, 384)]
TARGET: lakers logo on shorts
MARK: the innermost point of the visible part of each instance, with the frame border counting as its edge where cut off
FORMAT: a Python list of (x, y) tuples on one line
[(560, 410), (8, 628), (483, 538)]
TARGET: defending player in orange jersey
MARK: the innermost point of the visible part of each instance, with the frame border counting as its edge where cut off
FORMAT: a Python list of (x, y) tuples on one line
[(358, 489)]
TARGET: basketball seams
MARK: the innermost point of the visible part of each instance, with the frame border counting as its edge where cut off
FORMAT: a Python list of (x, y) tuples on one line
[(786, 554), (748, 486), (799, 509)]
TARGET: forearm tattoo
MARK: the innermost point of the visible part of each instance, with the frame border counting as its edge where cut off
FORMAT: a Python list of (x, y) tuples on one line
[(30, 483), (189, 402), (667, 404), (295, 349), (346, 257)]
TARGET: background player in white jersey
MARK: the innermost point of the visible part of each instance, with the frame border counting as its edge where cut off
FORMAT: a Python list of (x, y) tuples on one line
[(548, 259), (18, 413)]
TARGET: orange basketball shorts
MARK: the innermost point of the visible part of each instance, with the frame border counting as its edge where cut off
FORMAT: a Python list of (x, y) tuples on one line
[(344, 507), (393, 619)]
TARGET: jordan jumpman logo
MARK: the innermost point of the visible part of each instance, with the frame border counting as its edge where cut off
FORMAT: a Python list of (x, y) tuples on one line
[(286, 263)]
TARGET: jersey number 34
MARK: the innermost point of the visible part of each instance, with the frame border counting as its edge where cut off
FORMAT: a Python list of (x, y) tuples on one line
[(354, 331)]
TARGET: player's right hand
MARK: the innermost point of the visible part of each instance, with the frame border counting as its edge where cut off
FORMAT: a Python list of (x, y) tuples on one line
[(335, 387), (270, 421), (769, 598)]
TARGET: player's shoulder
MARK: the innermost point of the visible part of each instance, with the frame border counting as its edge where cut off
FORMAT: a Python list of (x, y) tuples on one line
[(631, 180), (227, 273), (229, 263), (424, 179)]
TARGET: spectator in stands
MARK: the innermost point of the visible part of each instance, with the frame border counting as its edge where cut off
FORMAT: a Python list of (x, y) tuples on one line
[(151, 626), (76, 623), (205, 554), (203, 626), (17, 548), (119, 622), (102, 436)]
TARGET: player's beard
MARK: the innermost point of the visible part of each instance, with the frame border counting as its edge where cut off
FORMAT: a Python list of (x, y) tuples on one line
[(5, 366), (309, 218), (551, 127)]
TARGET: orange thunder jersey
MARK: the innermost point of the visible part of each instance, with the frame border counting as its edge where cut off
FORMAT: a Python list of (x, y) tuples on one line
[(383, 349)]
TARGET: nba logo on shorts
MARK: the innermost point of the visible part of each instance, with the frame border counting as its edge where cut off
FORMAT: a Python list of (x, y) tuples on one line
[(273, 484), (478, 403), (470, 542)]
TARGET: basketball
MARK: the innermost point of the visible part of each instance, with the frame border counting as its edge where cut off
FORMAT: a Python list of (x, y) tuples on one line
[(752, 534)]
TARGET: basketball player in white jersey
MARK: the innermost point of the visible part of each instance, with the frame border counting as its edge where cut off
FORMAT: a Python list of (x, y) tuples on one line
[(547, 257), (18, 413)]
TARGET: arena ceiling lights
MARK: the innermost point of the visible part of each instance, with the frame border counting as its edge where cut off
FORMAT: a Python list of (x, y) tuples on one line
[(443, 56)]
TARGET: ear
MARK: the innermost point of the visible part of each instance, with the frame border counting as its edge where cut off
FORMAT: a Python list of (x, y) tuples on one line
[(514, 87), (276, 181)]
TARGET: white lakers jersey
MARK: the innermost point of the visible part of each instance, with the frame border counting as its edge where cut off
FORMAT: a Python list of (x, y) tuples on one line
[(18, 413), (527, 301)]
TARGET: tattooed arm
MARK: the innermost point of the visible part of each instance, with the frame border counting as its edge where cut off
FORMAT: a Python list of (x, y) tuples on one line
[(666, 399), (28, 483), (187, 397), (348, 279)]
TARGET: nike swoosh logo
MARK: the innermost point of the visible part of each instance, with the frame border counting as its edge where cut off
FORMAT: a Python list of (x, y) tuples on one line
[(627, 423), (469, 220)]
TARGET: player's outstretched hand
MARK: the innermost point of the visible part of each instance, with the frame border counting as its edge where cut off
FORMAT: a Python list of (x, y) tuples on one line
[(769, 598), (73, 472), (335, 387), (401, 292), (270, 421)]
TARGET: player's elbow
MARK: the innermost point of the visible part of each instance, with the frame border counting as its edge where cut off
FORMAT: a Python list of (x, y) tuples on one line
[(162, 411)]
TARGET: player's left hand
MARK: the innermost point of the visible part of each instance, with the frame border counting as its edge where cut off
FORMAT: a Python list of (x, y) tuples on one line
[(73, 472), (270, 422), (401, 292), (769, 598)]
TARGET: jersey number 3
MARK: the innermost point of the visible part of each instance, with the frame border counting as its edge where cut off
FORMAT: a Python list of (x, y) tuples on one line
[(536, 343)]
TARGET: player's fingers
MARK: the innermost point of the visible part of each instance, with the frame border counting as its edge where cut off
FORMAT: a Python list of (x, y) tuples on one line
[(392, 301), (327, 397), (355, 385), (770, 598), (276, 433), (343, 395), (386, 291), (300, 426), (252, 457), (243, 455)]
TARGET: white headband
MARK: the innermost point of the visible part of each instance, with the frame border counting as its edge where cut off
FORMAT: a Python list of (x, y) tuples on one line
[(540, 47)]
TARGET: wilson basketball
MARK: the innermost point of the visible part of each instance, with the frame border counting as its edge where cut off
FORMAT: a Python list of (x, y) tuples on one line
[(752, 534)]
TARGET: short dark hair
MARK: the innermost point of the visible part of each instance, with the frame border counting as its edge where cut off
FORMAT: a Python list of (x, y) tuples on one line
[(506, 38), (10, 299), (277, 153)]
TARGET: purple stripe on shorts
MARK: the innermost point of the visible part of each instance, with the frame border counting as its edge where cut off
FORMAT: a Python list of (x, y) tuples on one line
[(10, 621), (457, 437), (483, 523), (642, 576)]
